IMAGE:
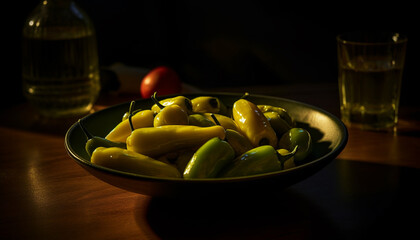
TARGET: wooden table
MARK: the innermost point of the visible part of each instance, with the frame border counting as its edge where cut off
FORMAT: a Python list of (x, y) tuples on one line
[(370, 190)]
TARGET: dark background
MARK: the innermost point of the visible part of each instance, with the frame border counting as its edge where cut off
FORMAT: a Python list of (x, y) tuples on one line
[(229, 43)]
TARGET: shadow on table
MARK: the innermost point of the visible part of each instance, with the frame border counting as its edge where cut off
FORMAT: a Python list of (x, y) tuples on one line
[(286, 214), (345, 200)]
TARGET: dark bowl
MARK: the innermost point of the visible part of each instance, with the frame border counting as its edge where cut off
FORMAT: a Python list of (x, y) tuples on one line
[(328, 132)]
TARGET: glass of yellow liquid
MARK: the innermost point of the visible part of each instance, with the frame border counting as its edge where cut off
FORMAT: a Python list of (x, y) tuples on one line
[(370, 68)]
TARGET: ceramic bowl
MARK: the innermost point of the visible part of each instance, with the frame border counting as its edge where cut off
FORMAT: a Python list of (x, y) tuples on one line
[(329, 135)]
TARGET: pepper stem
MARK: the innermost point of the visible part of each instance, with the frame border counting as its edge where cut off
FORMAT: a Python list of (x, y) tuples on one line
[(130, 110), (85, 131), (245, 96), (215, 119), (156, 101), (294, 150), (283, 157), (130, 114), (217, 123), (130, 122)]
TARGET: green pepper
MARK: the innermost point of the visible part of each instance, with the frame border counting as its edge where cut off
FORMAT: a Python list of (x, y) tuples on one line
[(200, 120), (297, 137), (207, 104), (253, 124), (94, 142), (209, 159), (157, 141), (262, 159), (132, 162), (279, 125), (290, 162), (281, 111)]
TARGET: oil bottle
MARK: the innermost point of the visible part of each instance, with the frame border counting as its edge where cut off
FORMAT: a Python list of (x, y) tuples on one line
[(60, 69)]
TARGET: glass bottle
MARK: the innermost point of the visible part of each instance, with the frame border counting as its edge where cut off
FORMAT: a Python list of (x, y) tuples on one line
[(60, 69)]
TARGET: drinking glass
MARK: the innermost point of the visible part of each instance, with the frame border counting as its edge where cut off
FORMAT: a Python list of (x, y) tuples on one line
[(370, 68)]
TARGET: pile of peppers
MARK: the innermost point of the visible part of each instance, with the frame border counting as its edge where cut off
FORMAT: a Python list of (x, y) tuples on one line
[(201, 138)]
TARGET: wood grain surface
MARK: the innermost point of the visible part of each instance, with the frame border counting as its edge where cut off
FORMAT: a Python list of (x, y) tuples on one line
[(46, 195)]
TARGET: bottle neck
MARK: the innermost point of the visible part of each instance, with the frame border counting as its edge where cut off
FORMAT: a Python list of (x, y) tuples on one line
[(57, 19), (57, 3)]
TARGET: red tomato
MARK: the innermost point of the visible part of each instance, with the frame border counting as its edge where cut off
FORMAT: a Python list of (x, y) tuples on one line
[(162, 80)]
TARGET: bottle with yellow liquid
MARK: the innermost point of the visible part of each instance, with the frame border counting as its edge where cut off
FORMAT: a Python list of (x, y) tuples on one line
[(60, 69)]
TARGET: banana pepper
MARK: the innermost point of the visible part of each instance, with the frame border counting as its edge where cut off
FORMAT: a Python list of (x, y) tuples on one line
[(281, 111), (209, 159), (225, 122), (198, 119), (94, 142), (239, 142), (279, 125), (181, 101), (287, 163), (120, 133), (300, 138), (171, 115), (253, 124), (132, 162), (207, 104), (156, 141), (236, 140)]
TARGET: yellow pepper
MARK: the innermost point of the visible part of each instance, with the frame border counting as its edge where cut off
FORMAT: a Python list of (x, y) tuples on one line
[(225, 122), (181, 101), (198, 119), (156, 141), (123, 130), (253, 124), (171, 115), (239, 143), (207, 104), (132, 162)]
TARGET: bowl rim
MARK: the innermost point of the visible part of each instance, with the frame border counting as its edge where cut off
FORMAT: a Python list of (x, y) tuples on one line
[(330, 155)]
